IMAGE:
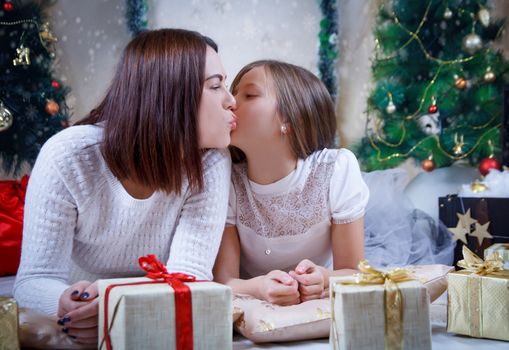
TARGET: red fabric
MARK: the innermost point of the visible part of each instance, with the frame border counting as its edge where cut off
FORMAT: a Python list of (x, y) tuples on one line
[(12, 203), (183, 303)]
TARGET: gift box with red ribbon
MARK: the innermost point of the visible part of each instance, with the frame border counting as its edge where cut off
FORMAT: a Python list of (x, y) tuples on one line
[(164, 311)]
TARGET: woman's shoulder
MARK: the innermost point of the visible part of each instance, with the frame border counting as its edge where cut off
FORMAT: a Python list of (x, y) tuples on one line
[(72, 140), (215, 156)]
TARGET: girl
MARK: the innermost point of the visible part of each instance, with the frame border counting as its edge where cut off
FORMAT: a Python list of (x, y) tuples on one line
[(294, 203), (136, 177)]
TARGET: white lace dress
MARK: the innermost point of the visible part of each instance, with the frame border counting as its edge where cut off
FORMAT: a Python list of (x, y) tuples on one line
[(284, 222)]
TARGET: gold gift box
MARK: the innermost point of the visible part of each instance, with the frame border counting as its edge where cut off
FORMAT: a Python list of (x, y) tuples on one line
[(143, 316), (8, 324), (478, 306)]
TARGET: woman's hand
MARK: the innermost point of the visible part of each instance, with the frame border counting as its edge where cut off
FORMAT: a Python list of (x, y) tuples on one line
[(278, 287), (311, 280), (78, 312)]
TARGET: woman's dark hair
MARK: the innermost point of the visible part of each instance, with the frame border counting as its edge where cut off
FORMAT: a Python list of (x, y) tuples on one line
[(150, 111)]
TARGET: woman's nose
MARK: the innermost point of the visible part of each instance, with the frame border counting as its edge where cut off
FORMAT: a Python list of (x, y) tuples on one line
[(231, 101)]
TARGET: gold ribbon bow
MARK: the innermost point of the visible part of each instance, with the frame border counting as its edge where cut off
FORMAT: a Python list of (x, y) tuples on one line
[(393, 304), (472, 263)]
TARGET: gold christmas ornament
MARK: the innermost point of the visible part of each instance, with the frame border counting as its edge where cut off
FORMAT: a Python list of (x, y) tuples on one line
[(46, 34), (447, 13), (478, 187), (23, 56), (458, 145), (460, 83), (489, 76), (5, 117), (484, 17)]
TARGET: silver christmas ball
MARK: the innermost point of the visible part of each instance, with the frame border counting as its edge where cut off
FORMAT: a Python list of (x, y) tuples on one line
[(391, 108), (471, 43), (5, 118), (447, 13)]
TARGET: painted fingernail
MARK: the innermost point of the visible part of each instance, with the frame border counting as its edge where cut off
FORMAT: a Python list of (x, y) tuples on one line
[(72, 336), (60, 322), (74, 293), (84, 295), (66, 319), (65, 330)]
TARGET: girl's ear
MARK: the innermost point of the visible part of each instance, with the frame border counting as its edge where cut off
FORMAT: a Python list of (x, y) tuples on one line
[(285, 128)]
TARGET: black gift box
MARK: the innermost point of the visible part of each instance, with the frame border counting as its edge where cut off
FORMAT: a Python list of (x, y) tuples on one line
[(482, 210)]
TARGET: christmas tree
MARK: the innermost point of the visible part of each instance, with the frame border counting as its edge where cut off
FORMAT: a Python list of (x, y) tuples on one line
[(32, 102), (438, 85)]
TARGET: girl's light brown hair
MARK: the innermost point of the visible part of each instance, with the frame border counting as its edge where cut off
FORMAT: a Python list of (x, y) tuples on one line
[(303, 102), (150, 111)]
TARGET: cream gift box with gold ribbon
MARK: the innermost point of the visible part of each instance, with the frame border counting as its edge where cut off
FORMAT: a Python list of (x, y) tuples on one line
[(478, 298), (8, 324), (378, 310)]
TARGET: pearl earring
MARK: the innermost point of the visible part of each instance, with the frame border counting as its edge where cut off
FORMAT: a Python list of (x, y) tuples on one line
[(284, 130)]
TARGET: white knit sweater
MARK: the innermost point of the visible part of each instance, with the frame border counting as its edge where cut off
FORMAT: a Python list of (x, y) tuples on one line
[(81, 224)]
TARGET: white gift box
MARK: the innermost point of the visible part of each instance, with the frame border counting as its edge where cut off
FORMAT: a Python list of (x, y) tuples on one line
[(143, 316)]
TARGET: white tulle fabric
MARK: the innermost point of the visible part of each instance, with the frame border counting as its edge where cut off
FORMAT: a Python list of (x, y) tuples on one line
[(396, 233)]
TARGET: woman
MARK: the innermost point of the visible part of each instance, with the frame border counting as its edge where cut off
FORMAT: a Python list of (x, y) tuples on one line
[(294, 203), (137, 176)]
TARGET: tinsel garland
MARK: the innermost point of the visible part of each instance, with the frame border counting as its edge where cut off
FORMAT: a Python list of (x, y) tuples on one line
[(328, 51), (136, 16)]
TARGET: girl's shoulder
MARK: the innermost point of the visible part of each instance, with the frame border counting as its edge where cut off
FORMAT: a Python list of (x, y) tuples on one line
[(329, 156)]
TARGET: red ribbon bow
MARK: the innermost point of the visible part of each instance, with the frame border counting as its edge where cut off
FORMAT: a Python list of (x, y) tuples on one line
[(183, 303)]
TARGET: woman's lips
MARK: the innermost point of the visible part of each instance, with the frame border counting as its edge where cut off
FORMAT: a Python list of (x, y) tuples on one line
[(233, 122)]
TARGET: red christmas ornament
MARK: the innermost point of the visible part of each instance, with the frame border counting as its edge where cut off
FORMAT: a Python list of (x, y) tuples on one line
[(433, 108), (487, 164), (55, 84), (8, 6), (428, 165)]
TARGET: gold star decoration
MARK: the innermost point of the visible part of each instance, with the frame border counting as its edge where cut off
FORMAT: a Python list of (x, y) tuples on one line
[(481, 232), (466, 220), (464, 227), (459, 232)]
